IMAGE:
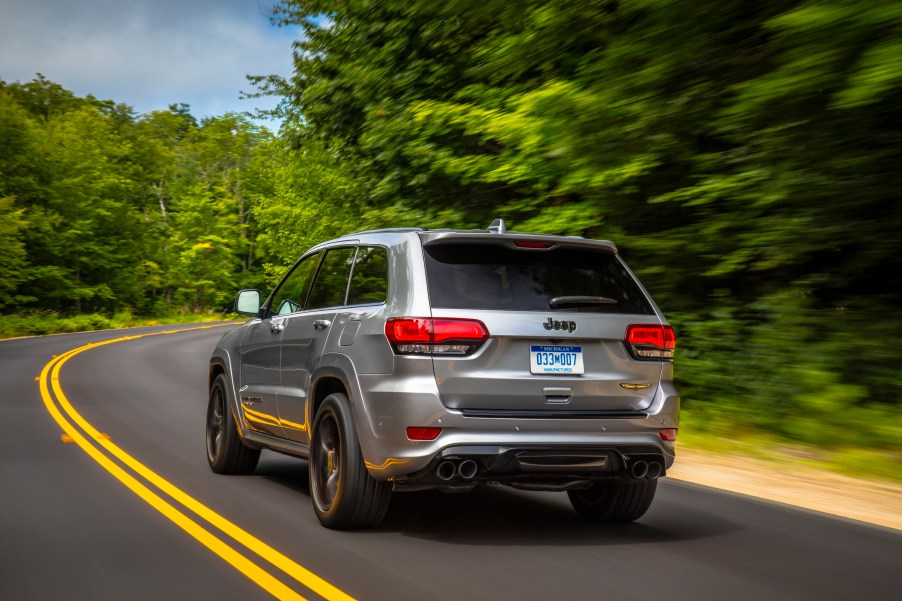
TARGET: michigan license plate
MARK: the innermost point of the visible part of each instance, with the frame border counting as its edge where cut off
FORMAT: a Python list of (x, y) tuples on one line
[(556, 359)]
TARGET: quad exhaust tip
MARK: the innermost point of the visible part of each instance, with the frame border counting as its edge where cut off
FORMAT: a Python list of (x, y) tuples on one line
[(639, 469), (446, 470), (467, 469), (655, 470), (449, 470), (646, 469)]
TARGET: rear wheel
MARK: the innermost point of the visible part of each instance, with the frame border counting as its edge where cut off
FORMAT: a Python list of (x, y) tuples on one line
[(226, 452), (614, 501), (344, 495)]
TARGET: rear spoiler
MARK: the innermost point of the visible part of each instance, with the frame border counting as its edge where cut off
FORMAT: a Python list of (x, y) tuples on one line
[(511, 239)]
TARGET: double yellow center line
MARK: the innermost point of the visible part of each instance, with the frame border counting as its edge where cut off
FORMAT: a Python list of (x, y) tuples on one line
[(57, 404)]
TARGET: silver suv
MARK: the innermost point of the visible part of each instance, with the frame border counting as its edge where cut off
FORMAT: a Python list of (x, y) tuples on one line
[(407, 359)]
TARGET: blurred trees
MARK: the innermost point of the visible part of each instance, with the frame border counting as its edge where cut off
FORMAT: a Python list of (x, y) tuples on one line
[(101, 210), (744, 154)]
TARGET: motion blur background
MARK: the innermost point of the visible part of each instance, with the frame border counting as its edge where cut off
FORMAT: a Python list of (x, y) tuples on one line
[(745, 157)]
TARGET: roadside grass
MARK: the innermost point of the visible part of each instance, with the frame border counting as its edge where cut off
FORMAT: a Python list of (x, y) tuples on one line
[(40, 324), (725, 439)]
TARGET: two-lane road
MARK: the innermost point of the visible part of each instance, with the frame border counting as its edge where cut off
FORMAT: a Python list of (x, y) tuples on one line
[(71, 528)]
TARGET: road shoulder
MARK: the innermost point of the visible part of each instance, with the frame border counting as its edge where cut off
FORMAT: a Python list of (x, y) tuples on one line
[(874, 502)]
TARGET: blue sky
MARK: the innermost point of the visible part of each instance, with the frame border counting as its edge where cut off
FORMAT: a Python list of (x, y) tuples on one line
[(147, 53)]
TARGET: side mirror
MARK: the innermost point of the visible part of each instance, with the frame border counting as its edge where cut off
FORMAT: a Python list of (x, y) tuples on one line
[(248, 302)]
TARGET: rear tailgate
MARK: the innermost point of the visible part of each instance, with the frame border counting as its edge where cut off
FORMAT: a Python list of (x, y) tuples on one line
[(556, 310), (498, 379)]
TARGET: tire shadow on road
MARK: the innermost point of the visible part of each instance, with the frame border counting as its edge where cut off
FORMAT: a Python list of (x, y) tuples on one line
[(284, 471), (496, 515)]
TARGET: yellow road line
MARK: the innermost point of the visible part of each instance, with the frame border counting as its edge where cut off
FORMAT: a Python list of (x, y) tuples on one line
[(251, 570)]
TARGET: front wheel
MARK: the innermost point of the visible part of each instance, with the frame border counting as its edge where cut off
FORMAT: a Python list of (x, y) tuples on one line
[(344, 495), (226, 453), (614, 501)]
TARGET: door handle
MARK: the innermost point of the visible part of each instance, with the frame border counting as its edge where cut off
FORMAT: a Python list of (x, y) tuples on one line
[(276, 328), (322, 324)]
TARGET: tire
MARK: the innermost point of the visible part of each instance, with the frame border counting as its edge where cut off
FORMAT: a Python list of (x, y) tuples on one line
[(343, 493), (614, 501), (226, 452)]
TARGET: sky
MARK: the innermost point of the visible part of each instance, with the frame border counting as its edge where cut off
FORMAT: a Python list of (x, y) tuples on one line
[(147, 54)]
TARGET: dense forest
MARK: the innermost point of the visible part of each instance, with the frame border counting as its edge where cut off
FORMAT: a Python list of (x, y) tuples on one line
[(745, 157), (102, 209)]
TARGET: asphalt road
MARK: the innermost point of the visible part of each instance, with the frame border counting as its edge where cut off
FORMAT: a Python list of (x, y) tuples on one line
[(70, 530)]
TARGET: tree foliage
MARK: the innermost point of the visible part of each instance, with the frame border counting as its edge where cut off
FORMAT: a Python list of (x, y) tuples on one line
[(102, 210), (744, 156)]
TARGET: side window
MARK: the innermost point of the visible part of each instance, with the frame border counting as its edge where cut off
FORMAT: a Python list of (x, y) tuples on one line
[(291, 293), (332, 280), (369, 280)]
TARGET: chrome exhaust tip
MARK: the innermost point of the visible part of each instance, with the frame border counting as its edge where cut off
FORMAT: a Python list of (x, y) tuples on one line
[(467, 469), (655, 470), (639, 469), (446, 470)]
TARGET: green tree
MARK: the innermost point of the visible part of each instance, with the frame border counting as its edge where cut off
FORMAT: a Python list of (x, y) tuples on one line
[(12, 252), (17, 153), (93, 237), (744, 156), (112, 210), (203, 179)]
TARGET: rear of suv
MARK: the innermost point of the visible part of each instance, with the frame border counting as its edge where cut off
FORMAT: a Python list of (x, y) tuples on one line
[(407, 359)]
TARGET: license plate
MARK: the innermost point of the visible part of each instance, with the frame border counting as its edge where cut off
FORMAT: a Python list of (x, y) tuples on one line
[(556, 359)]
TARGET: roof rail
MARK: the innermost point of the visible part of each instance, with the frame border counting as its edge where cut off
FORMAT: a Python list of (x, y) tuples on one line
[(387, 230)]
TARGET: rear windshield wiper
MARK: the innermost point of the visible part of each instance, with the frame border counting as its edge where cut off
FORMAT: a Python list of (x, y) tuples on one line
[(580, 301)]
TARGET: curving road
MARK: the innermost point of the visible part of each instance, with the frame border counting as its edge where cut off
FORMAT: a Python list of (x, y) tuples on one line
[(72, 529)]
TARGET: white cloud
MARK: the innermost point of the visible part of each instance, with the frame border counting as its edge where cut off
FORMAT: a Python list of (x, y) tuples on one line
[(146, 53)]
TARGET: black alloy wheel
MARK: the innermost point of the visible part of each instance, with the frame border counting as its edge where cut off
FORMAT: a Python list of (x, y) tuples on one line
[(226, 452)]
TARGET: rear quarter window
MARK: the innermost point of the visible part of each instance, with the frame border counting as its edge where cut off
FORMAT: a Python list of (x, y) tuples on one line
[(495, 277), (369, 279)]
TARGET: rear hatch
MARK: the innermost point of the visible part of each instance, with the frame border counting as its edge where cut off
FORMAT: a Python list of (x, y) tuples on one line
[(556, 310)]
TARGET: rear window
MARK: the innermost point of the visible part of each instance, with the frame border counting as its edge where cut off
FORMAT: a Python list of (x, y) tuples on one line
[(467, 276)]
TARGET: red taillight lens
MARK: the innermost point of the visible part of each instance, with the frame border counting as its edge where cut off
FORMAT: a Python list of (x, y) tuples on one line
[(428, 336), (668, 434), (458, 329), (409, 330), (669, 338), (650, 341), (423, 433)]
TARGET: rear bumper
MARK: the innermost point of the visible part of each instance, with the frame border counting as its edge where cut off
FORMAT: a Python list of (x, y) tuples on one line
[(538, 467), (506, 448)]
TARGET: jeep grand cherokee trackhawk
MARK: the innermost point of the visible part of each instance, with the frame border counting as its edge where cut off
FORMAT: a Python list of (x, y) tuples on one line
[(405, 359)]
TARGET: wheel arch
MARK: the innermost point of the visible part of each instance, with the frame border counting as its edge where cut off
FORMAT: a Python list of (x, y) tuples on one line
[(336, 374), (216, 368), (325, 385), (221, 364)]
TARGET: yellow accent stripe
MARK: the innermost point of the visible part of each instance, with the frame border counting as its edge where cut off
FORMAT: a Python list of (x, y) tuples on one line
[(292, 425), (241, 563), (386, 464), (260, 418)]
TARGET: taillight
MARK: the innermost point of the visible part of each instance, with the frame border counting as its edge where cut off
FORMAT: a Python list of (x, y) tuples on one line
[(423, 433), (668, 434), (435, 336), (650, 342)]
